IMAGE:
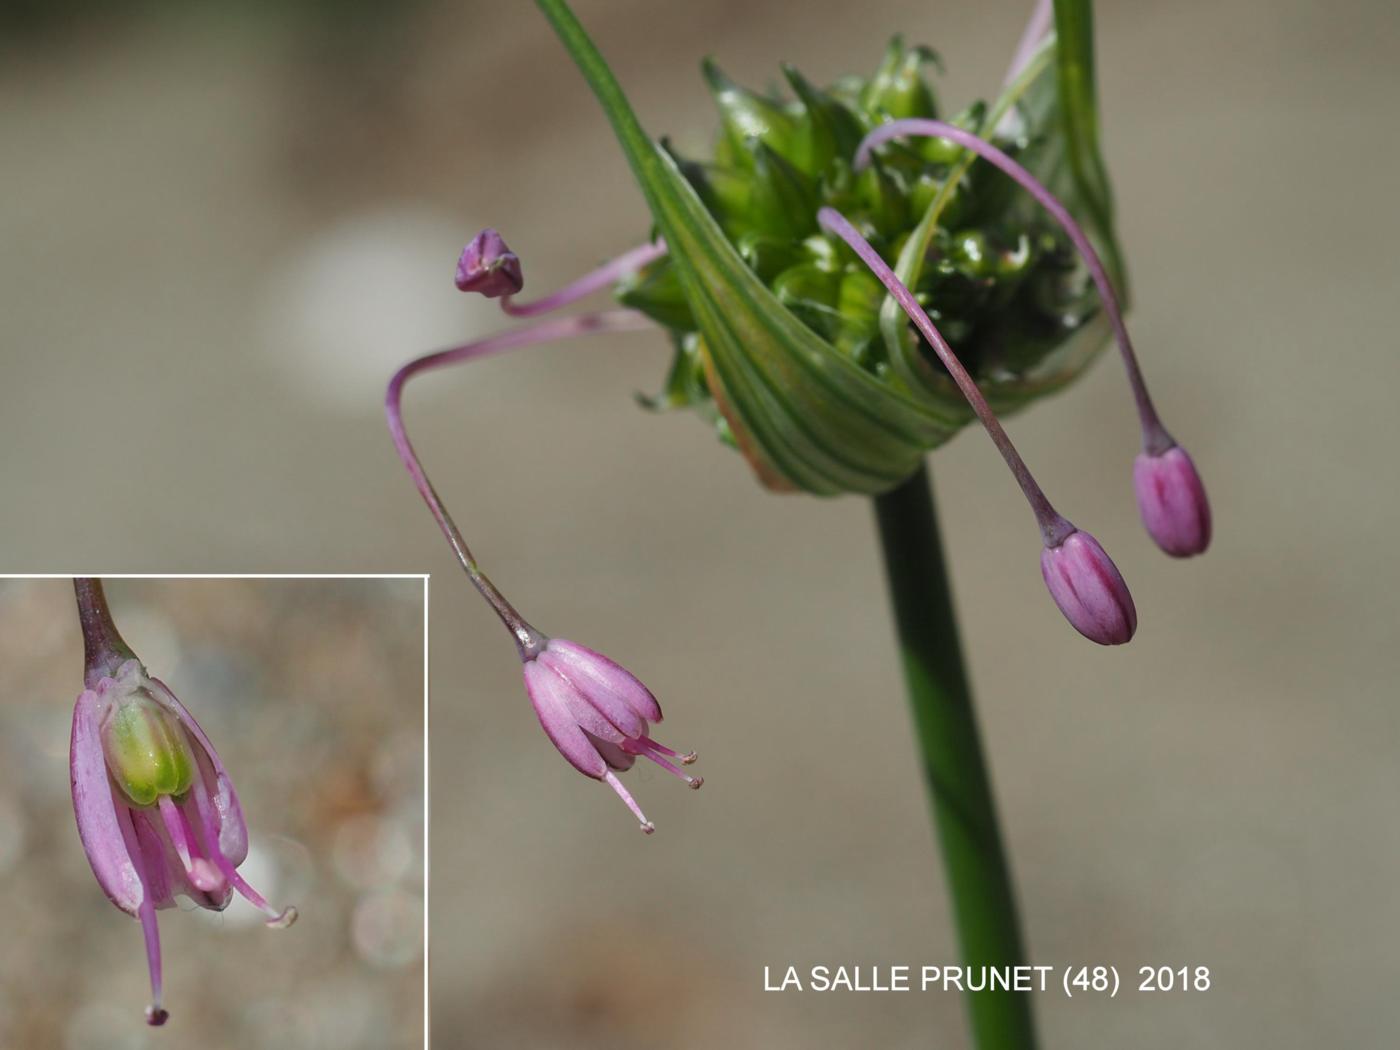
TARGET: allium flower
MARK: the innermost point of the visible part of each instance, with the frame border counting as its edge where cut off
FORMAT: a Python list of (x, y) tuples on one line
[(157, 812), (1172, 501), (843, 295), (598, 715), (595, 712), (1089, 589)]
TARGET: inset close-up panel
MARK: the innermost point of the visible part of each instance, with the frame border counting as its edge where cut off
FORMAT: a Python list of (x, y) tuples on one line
[(309, 692)]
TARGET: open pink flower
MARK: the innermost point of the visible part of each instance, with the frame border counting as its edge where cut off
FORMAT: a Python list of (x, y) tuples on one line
[(598, 715), (156, 811)]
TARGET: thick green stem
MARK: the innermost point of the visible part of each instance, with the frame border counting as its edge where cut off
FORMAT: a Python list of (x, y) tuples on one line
[(979, 877)]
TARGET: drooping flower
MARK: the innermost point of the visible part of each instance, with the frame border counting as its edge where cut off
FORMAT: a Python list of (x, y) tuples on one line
[(1172, 501), (1089, 589), (157, 813), (595, 712), (599, 716)]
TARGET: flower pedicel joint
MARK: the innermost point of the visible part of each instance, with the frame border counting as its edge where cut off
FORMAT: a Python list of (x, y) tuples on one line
[(156, 811), (844, 291)]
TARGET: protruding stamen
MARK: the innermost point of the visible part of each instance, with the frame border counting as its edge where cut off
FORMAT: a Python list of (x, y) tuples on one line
[(1054, 528), (672, 768), (684, 760), (277, 920), (593, 281), (647, 826), (529, 641), (1037, 26), (156, 1015), (202, 874)]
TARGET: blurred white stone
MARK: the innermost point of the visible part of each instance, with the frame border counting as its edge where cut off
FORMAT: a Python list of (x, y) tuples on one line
[(371, 851), (362, 297), (261, 871), (387, 928)]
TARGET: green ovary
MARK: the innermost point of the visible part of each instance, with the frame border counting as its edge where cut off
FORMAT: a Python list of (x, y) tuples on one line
[(147, 751)]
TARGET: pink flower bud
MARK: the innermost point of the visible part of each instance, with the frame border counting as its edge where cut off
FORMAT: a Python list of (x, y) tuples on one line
[(487, 266), (1089, 590), (1172, 501)]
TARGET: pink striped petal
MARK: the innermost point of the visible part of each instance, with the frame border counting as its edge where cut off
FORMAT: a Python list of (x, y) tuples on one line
[(233, 829), (1172, 502), (614, 756), (1089, 589), (550, 697), (609, 686), (96, 810)]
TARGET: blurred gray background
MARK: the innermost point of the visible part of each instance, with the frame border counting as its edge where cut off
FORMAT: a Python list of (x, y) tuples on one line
[(312, 693), (222, 231)]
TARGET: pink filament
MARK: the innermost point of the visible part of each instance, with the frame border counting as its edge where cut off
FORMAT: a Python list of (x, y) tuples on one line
[(1155, 439), (146, 912), (526, 637), (647, 826), (1036, 28), (591, 282), (1053, 527), (201, 873), (671, 767), (210, 829)]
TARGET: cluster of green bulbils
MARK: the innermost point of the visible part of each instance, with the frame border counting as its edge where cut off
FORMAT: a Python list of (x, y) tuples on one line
[(1000, 279)]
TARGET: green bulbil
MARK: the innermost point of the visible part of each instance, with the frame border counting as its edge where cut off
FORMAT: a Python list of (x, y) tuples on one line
[(787, 345), (775, 164), (811, 293), (827, 130), (898, 87), (656, 291), (784, 199), (941, 151), (685, 383), (748, 116), (883, 200), (148, 754), (769, 256)]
